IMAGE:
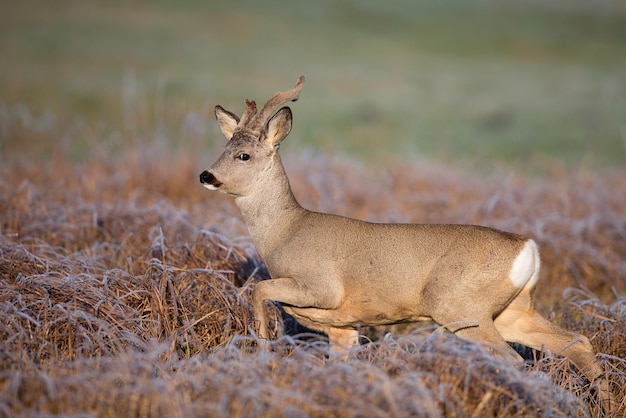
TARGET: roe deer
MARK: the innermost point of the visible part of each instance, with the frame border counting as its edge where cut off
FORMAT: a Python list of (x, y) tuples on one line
[(335, 274)]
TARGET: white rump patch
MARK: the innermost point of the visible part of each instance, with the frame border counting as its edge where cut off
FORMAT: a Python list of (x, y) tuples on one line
[(525, 269)]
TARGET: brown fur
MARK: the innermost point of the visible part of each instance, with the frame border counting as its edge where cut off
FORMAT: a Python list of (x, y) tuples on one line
[(335, 274)]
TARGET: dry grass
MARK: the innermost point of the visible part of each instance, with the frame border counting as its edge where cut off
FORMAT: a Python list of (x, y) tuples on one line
[(124, 291)]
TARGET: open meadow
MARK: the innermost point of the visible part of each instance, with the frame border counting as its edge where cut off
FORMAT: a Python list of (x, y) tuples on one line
[(125, 285)]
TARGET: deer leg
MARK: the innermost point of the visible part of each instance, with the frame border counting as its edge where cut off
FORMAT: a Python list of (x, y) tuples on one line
[(469, 322), (485, 332), (340, 342), (340, 339), (522, 324), (289, 292)]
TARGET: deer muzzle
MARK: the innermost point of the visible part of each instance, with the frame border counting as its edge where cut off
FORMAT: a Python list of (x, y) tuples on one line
[(209, 181)]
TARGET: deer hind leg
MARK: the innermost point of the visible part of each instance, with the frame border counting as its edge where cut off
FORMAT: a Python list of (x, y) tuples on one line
[(290, 292), (485, 332), (521, 323), (477, 326)]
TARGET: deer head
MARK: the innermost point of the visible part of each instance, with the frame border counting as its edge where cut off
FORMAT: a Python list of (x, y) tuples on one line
[(253, 143)]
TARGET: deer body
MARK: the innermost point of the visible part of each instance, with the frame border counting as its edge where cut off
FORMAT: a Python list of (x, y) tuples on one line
[(366, 274), (335, 274), (399, 273)]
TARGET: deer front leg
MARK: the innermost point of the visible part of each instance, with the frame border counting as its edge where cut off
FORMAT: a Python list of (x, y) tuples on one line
[(288, 291), (341, 340)]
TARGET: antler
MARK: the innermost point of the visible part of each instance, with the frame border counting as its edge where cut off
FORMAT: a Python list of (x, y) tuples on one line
[(254, 122)]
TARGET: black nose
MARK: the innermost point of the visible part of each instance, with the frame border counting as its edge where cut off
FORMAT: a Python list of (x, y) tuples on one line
[(206, 177)]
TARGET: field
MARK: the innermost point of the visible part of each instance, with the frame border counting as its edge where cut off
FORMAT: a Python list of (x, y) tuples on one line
[(125, 285)]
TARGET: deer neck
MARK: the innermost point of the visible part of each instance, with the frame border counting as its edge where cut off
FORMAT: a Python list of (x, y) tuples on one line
[(271, 211)]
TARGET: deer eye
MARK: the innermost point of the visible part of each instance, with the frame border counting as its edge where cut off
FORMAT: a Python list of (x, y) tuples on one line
[(243, 157)]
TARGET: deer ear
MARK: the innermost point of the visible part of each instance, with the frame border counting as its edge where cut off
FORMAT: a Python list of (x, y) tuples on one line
[(227, 121), (278, 126)]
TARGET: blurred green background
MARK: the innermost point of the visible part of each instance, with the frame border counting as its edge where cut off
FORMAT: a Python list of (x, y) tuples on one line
[(530, 83)]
